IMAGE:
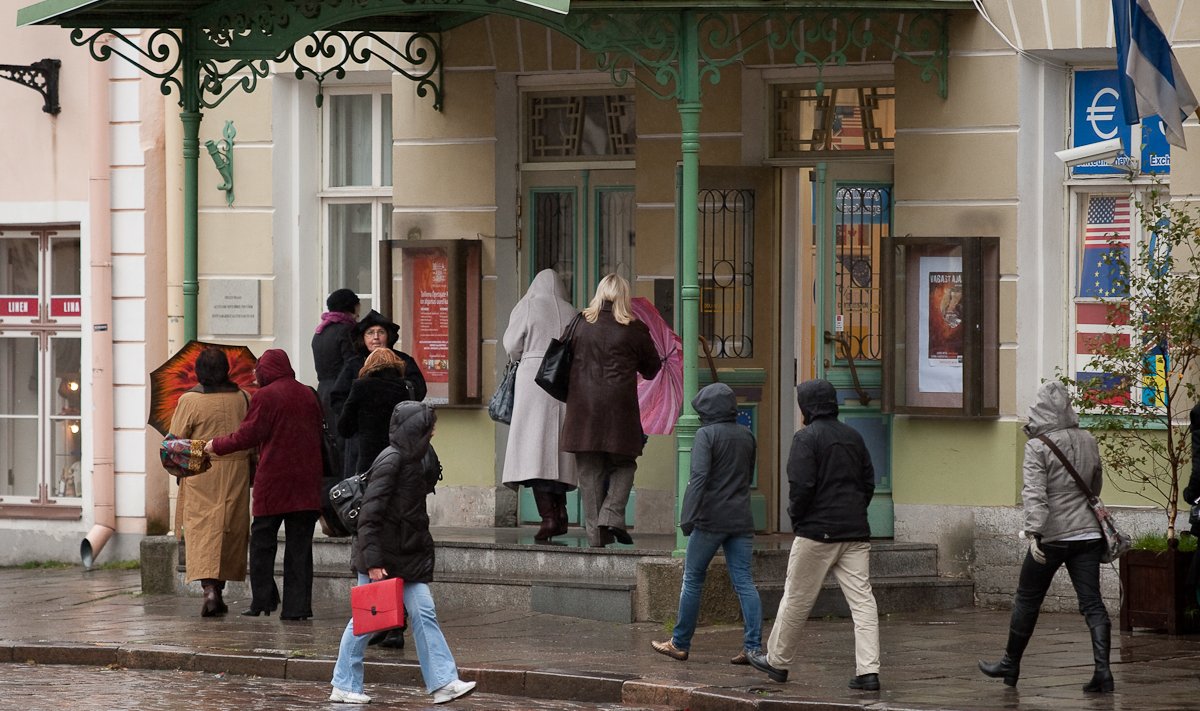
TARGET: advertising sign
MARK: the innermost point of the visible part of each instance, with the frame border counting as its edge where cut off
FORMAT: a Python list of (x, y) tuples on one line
[(18, 306), (66, 307), (1097, 117), (431, 313), (941, 325)]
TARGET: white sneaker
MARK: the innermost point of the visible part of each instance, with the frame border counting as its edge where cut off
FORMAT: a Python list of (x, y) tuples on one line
[(452, 691), (349, 697)]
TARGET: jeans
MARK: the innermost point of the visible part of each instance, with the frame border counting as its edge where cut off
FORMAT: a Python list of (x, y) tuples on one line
[(1082, 559), (808, 563), (298, 529), (605, 481), (433, 654), (701, 547)]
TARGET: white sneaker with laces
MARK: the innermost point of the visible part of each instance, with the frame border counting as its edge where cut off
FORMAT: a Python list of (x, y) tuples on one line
[(452, 691), (348, 697)]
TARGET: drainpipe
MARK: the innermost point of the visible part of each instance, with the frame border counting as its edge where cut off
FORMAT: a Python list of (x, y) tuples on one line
[(190, 117), (100, 238)]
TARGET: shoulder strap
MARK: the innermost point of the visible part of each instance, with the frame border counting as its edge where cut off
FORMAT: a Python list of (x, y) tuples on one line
[(1069, 467), (570, 332)]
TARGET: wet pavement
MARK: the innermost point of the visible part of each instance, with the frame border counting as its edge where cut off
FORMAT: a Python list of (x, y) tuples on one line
[(100, 619)]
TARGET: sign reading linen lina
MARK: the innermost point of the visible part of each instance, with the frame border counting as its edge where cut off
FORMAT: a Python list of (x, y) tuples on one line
[(1097, 117)]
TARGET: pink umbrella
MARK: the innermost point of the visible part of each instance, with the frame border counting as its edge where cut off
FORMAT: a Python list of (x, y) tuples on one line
[(660, 399)]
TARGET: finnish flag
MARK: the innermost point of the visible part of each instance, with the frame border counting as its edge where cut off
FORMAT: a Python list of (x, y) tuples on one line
[(1151, 80)]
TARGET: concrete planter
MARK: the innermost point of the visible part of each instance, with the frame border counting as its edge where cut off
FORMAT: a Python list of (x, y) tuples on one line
[(1155, 593)]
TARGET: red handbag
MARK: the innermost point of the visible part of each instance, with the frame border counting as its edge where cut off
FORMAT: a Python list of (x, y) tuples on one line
[(377, 606)]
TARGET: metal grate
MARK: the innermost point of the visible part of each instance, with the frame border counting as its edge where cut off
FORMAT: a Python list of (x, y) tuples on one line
[(726, 271), (862, 218), (838, 120), (615, 231), (581, 127), (554, 234)]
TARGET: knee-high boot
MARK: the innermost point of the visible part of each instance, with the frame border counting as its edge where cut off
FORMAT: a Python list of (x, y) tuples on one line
[(1009, 667), (546, 509), (1102, 678), (560, 513)]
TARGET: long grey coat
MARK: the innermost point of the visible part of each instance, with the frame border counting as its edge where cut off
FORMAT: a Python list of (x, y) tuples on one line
[(1054, 505), (537, 419)]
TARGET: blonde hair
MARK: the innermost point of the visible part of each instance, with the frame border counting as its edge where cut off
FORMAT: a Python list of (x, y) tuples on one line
[(612, 288), (381, 359)]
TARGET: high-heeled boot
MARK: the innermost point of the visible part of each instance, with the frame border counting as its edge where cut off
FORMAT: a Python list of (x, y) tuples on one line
[(1102, 678), (546, 509), (209, 609), (560, 513), (1009, 666)]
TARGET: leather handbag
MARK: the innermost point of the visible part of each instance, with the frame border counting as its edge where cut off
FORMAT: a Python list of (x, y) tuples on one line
[(377, 606), (1194, 516), (554, 374), (346, 498), (1116, 541), (500, 408)]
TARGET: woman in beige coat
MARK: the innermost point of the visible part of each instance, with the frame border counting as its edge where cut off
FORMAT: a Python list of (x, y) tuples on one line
[(215, 505)]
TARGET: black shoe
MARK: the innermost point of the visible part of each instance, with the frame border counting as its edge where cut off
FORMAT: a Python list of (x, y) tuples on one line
[(251, 612), (758, 660), (865, 682), (377, 638), (620, 534), (294, 618), (394, 639)]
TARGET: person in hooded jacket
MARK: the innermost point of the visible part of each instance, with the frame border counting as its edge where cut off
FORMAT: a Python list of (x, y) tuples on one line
[(603, 425), (716, 515), (332, 344), (532, 457), (284, 422), (393, 541), (1062, 530), (374, 331), (831, 481)]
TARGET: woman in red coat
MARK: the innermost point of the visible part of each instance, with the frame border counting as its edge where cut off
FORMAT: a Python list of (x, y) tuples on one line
[(284, 422), (603, 424)]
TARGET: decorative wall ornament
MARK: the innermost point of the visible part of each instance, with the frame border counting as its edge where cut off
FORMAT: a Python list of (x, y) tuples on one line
[(327, 53), (41, 76), (222, 155)]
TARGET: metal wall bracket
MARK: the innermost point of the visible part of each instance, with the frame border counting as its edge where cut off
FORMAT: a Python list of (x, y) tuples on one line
[(41, 76), (222, 155)]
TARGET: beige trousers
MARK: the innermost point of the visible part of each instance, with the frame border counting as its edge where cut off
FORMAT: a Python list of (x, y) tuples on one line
[(808, 564)]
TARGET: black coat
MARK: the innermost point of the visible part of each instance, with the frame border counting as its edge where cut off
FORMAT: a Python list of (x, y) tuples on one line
[(1191, 492), (393, 524), (367, 412), (718, 494), (345, 380), (331, 348), (829, 471)]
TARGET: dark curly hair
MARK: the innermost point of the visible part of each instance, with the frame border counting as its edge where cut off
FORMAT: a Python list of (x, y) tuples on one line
[(212, 369)]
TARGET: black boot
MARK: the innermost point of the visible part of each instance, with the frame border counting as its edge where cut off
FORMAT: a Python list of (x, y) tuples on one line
[(1009, 667), (1102, 678), (560, 513), (211, 606), (547, 510)]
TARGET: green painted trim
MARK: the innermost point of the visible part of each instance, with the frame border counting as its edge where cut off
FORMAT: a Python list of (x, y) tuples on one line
[(735, 376), (758, 509), (1090, 422), (531, 248), (47, 10), (221, 153)]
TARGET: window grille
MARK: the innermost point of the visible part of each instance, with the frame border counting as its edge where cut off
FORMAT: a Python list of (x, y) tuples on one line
[(862, 218), (587, 127), (840, 119), (726, 271)]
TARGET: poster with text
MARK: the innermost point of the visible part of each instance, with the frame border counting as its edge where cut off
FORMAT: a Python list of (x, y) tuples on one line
[(941, 325), (431, 313)]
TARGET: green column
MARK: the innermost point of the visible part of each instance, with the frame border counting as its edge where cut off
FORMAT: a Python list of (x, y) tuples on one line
[(190, 116), (689, 289)]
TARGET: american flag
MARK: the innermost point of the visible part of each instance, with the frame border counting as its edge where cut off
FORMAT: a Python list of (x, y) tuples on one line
[(1095, 325), (847, 130), (1105, 246)]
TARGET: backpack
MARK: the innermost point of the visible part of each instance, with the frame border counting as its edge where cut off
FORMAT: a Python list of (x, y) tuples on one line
[(346, 497)]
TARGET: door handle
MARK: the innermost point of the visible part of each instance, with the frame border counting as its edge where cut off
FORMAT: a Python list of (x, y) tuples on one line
[(841, 340)]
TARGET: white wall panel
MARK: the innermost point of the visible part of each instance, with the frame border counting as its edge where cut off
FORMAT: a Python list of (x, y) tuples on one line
[(130, 407), (129, 364), (128, 276)]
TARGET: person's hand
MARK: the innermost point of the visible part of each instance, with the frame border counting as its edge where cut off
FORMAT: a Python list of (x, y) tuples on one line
[(1035, 549), (208, 447), (376, 574)]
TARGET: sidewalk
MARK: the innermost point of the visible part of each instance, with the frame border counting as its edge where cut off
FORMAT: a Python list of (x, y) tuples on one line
[(100, 618)]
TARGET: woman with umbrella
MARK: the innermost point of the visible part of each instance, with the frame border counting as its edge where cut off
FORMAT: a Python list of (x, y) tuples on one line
[(532, 458), (214, 507), (603, 426)]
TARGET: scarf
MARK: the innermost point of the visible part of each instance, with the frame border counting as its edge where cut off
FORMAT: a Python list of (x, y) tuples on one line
[(335, 317)]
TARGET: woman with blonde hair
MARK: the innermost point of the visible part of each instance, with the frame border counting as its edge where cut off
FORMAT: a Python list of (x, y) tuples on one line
[(603, 425)]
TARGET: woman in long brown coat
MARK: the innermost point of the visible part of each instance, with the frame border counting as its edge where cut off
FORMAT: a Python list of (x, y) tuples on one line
[(603, 425), (215, 505)]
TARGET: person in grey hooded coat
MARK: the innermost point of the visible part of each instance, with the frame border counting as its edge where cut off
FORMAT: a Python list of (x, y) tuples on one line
[(1062, 530), (717, 516)]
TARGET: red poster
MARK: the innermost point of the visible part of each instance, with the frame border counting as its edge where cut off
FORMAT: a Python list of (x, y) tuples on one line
[(66, 307), (18, 306), (431, 313), (945, 316)]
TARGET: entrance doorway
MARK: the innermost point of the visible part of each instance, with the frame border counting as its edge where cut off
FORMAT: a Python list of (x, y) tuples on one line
[(843, 213)]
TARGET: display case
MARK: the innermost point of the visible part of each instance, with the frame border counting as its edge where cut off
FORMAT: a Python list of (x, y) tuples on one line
[(941, 326), (432, 288)]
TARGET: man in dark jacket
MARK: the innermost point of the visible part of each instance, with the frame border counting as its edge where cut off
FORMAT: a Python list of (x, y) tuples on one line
[(832, 481)]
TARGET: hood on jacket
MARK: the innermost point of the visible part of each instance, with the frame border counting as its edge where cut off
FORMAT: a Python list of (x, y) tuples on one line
[(273, 365), (817, 398), (715, 403), (411, 429), (547, 285), (374, 318), (1052, 411)]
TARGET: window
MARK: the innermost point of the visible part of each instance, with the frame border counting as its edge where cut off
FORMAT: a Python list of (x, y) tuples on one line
[(40, 362), (846, 118), (580, 127), (357, 195), (726, 271)]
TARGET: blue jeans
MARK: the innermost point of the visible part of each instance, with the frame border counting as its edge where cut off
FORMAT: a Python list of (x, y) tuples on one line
[(701, 547), (437, 664)]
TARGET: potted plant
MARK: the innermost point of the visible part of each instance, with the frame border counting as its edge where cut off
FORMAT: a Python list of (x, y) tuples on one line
[(1144, 392)]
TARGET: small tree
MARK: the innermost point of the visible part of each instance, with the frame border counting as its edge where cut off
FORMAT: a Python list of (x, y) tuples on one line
[(1148, 386)]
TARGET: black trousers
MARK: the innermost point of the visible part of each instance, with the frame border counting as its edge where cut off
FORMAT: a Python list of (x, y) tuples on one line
[(297, 562), (1082, 559)]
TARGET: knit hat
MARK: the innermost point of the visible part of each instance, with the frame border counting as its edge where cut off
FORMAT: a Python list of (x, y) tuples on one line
[(342, 300)]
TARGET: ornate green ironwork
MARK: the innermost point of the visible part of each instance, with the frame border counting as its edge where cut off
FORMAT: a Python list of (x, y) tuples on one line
[(160, 58), (420, 60), (622, 42), (222, 155)]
